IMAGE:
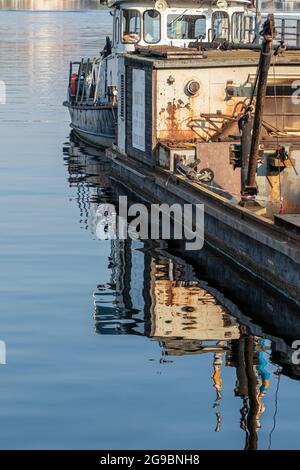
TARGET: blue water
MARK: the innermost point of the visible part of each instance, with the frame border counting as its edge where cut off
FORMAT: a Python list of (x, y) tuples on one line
[(75, 378)]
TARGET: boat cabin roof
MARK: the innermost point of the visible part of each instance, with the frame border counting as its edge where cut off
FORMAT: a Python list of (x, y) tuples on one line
[(172, 57)]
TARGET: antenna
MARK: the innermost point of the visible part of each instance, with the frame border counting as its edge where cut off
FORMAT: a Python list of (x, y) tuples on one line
[(161, 5)]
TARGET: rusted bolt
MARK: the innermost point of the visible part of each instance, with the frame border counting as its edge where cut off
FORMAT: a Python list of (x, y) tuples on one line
[(193, 87)]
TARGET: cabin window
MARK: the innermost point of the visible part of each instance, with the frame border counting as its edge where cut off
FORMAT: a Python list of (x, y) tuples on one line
[(237, 27), (249, 28), (186, 26), (131, 29), (152, 26), (220, 25)]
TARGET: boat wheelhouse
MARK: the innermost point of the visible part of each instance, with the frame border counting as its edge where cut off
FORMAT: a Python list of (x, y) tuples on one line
[(177, 23)]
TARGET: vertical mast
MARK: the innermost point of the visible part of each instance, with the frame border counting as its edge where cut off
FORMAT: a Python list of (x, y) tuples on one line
[(269, 34)]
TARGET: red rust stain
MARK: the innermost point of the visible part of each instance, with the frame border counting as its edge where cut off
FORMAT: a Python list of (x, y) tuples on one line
[(176, 127), (171, 119)]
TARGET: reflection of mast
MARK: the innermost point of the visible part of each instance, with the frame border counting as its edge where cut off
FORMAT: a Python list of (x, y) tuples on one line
[(241, 389), (253, 379), (252, 440)]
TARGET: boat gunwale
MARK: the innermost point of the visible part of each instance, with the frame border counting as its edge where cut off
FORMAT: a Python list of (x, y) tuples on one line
[(90, 107)]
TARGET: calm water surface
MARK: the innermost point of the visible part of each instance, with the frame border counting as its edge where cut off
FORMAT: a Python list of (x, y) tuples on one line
[(113, 344)]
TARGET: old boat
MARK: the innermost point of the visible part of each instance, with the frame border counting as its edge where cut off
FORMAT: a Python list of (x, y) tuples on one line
[(207, 111), (94, 84)]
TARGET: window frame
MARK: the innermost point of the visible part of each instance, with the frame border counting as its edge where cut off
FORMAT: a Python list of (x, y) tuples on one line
[(160, 26), (249, 28), (236, 14), (197, 17), (122, 26), (116, 31), (225, 14)]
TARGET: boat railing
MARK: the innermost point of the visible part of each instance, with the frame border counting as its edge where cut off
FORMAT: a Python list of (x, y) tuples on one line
[(287, 28), (83, 80), (287, 32)]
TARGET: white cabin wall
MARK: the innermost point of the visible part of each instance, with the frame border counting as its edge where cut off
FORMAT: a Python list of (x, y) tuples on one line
[(112, 70), (103, 81)]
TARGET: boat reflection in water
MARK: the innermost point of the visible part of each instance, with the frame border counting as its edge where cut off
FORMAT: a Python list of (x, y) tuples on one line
[(168, 305), (155, 294)]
